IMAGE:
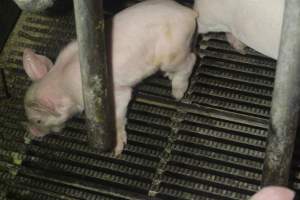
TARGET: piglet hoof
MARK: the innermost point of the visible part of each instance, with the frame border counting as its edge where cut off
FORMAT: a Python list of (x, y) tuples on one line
[(236, 43), (169, 75), (118, 149), (241, 49), (178, 93), (120, 143)]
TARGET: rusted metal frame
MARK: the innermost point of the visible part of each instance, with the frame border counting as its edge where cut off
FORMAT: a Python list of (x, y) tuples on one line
[(286, 101), (95, 73)]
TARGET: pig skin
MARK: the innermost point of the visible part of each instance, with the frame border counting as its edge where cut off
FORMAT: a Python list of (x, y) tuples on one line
[(274, 193), (254, 23)]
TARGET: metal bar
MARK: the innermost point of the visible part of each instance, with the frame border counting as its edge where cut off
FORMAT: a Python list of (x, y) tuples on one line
[(5, 88), (95, 73), (286, 100)]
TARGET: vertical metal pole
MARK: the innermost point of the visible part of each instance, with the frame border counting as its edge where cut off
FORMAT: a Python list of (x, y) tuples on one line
[(95, 73), (4, 85), (286, 101)]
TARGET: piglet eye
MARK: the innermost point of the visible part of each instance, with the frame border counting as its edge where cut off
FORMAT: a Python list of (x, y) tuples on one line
[(38, 121)]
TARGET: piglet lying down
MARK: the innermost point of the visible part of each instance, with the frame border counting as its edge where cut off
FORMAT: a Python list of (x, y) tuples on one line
[(150, 36)]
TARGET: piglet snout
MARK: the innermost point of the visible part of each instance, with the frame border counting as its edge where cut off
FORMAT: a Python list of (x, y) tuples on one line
[(33, 130)]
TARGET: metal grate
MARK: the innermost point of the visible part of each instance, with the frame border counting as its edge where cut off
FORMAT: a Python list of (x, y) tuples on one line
[(208, 146)]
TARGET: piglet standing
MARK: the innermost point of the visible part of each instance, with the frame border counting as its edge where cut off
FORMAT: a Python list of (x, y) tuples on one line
[(147, 37), (254, 23)]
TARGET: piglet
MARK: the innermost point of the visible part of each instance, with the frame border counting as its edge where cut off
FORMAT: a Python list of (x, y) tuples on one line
[(254, 23), (147, 37), (274, 193)]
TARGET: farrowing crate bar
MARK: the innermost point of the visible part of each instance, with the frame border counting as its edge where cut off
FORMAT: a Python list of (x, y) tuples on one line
[(286, 101), (96, 74)]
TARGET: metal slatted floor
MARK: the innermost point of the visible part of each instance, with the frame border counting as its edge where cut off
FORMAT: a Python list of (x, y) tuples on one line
[(208, 146)]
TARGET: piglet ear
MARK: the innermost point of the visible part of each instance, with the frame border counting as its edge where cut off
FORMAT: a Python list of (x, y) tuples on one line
[(36, 66)]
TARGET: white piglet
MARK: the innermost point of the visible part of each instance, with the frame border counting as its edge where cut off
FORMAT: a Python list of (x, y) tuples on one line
[(147, 37), (254, 23)]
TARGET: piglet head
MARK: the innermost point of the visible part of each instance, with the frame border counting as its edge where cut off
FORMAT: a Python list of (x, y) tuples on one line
[(45, 113), (43, 119)]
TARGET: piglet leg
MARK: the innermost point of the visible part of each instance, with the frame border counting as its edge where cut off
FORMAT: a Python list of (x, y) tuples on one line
[(180, 79), (236, 43), (122, 98)]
